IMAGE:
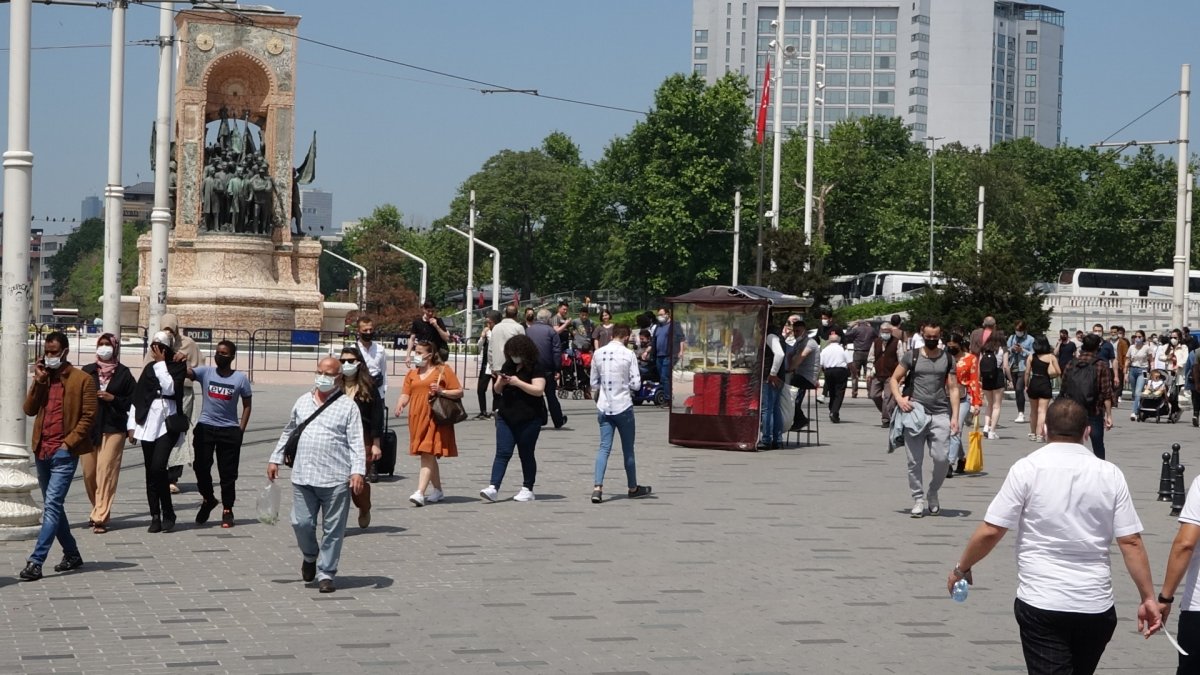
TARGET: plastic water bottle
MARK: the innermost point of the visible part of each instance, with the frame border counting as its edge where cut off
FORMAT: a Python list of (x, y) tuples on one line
[(959, 594)]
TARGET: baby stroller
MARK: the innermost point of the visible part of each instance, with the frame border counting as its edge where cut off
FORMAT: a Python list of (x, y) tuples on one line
[(1156, 399), (575, 374)]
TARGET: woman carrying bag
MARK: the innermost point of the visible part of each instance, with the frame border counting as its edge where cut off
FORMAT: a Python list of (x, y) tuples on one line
[(427, 439), (966, 369), (114, 392), (156, 423), (358, 385), (520, 385)]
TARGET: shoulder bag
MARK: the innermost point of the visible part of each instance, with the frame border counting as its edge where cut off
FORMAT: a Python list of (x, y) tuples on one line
[(177, 423), (293, 441), (446, 411)]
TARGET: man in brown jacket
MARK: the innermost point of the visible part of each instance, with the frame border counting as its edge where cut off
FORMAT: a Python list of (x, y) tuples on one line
[(63, 398), (887, 350)]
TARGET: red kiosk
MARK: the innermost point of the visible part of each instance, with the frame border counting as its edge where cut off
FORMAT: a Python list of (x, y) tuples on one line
[(717, 382)]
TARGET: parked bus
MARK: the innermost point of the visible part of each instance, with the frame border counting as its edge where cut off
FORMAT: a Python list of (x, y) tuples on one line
[(1157, 284), (841, 289), (891, 285)]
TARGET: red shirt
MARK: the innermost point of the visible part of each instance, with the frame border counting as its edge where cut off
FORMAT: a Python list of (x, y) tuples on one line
[(53, 432)]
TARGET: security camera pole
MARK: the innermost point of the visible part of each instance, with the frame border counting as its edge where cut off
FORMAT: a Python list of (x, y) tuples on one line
[(777, 120)]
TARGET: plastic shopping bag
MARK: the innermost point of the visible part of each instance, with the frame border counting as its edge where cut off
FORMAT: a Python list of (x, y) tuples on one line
[(975, 449), (268, 504)]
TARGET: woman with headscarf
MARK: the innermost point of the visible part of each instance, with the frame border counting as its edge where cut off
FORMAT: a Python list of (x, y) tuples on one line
[(156, 397), (358, 385), (114, 387)]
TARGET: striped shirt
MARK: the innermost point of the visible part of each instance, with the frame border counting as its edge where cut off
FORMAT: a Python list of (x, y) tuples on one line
[(614, 374), (331, 447)]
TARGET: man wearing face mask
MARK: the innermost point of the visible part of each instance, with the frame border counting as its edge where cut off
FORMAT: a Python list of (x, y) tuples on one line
[(429, 328), (1020, 346), (64, 400), (328, 466), (886, 352), (219, 431), (1116, 336), (374, 355), (827, 326), (669, 343)]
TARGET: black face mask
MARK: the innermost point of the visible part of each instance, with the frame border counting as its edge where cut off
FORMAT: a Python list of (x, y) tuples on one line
[(366, 337), (223, 361), (954, 351), (931, 343)]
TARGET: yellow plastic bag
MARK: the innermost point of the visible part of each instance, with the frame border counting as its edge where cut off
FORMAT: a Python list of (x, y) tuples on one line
[(975, 449)]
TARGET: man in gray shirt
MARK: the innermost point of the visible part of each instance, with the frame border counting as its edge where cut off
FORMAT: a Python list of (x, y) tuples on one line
[(804, 362), (934, 387), (862, 335)]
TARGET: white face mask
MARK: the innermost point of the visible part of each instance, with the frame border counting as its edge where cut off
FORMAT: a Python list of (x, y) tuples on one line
[(662, 318), (824, 322), (1174, 341), (350, 369), (104, 352), (325, 383), (517, 360), (418, 360), (53, 362), (885, 336)]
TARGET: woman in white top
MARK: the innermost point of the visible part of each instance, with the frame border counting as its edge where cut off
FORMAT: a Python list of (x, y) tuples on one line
[(1137, 362), (1172, 356), (156, 397), (835, 361)]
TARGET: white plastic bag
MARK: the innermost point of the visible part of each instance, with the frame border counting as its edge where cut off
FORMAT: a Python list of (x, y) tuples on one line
[(268, 504)]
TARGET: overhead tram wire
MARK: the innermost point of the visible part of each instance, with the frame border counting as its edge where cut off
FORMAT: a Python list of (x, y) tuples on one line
[(1139, 117), (244, 18)]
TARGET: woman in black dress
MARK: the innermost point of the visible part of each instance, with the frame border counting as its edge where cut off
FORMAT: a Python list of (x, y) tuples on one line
[(1042, 367)]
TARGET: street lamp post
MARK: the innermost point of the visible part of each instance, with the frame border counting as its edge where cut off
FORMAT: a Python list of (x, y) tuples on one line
[(932, 176), (114, 191), (362, 279), (811, 140), (160, 216), (424, 266), (495, 263), (1182, 243)]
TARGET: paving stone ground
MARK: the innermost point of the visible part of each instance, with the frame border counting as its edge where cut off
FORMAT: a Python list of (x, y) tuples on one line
[(800, 560)]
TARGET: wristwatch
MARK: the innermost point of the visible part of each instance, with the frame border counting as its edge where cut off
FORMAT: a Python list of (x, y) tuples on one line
[(1165, 601), (960, 573)]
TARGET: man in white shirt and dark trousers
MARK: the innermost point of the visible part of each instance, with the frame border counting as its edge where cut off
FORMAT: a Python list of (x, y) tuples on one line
[(373, 353), (1182, 564), (770, 414), (835, 361), (1067, 506), (614, 375), (329, 464)]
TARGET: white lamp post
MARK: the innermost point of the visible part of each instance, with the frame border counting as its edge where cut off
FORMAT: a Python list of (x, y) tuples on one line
[(424, 266)]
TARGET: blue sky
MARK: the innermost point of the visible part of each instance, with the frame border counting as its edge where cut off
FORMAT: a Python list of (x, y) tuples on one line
[(391, 134)]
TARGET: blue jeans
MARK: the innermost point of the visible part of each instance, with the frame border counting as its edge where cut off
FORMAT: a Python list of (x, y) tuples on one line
[(664, 374), (1097, 425), (1135, 379), (334, 504), (770, 420), (524, 438), (54, 476), (956, 440), (623, 423)]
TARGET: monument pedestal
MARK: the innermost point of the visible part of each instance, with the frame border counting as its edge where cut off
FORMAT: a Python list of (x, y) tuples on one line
[(20, 517), (235, 281)]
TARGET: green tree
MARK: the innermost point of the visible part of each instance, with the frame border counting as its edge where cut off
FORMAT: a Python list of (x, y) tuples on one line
[(89, 236), (993, 283), (82, 282), (391, 302)]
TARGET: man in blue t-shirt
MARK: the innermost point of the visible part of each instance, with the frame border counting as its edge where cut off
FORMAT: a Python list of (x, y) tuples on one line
[(219, 430)]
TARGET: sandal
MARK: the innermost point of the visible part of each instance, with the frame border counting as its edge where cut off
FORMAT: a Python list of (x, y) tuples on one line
[(99, 528), (597, 496)]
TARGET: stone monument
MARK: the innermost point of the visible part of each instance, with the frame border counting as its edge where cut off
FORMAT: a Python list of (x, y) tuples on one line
[(232, 260)]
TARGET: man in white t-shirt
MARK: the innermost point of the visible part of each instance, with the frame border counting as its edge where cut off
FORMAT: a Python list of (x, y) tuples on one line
[(1183, 561), (1067, 506)]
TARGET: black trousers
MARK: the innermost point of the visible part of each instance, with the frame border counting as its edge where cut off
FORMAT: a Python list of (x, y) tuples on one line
[(482, 387), (226, 444), (552, 404), (156, 454), (1063, 643), (1189, 639), (835, 383)]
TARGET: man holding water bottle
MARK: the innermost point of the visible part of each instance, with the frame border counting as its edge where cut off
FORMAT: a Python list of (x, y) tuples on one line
[(1067, 506)]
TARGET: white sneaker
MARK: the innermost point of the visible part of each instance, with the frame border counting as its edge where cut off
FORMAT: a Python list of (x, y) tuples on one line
[(918, 509), (417, 499), (993, 436), (435, 495), (1032, 437), (935, 508), (525, 495), (1020, 418), (1133, 417), (489, 493)]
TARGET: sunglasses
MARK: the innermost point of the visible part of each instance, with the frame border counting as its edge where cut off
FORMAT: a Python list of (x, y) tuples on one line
[(348, 360)]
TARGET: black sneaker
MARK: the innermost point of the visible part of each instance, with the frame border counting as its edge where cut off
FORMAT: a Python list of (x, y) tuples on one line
[(168, 525), (308, 570), (32, 572), (69, 562), (206, 509), (155, 525), (326, 586), (227, 518), (639, 491), (564, 423), (1195, 421)]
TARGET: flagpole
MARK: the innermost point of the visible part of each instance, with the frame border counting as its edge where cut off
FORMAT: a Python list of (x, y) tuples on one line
[(760, 128)]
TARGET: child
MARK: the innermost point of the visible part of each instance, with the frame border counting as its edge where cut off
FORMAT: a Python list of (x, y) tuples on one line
[(1156, 386)]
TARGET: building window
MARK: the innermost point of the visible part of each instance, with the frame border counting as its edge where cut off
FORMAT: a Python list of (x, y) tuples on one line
[(1031, 63), (743, 9), (1031, 80), (885, 62), (919, 56), (835, 79), (836, 44), (727, 55), (918, 126), (700, 69), (920, 37), (858, 62), (885, 27), (860, 79), (700, 53), (918, 109), (918, 91), (1031, 46), (1008, 128), (998, 109), (999, 42), (837, 27), (885, 97), (885, 112), (764, 26), (1031, 97), (1029, 130), (793, 27), (999, 58), (860, 44), (729, 8), (791, 96), (791, 79), (1030, 114), (861, 27), (921, 18), (1008, 110), (701, 36), (859, 97), (839, 62), (999, 91), (885, 44), (885, 79), (919, 73), (837, 97)]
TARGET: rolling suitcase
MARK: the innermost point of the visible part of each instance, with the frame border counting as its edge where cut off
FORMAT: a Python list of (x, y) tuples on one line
[(387, 461)]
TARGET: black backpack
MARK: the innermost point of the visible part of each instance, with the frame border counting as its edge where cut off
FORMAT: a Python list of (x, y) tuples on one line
[(1079, 383), (988, 364)]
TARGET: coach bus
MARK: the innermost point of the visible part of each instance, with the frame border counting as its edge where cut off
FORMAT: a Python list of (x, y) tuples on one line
[(1156, 284)]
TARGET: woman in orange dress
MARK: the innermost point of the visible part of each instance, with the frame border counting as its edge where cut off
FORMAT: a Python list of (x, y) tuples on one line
[(966, 369), (427, 439)]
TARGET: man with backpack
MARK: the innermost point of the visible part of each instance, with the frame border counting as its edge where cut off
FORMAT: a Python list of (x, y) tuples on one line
[(925, 378), (1088, 381)]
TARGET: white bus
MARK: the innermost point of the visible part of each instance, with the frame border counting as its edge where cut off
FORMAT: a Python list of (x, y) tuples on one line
[(841, 289), (1156, 285), (892, 285)]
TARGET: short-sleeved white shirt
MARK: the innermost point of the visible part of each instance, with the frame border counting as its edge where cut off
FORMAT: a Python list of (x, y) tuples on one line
[(1066, 506), (1191, 516)]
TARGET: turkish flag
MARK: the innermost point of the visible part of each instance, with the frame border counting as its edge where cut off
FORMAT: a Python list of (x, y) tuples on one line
[(761, 127)]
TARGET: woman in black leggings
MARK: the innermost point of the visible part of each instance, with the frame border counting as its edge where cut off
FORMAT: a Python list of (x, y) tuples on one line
[(156, 397), (485, 371)]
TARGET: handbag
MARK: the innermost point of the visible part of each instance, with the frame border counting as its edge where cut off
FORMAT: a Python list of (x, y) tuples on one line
[(293, 441), (975, 449), (177, 422), (446, 411)]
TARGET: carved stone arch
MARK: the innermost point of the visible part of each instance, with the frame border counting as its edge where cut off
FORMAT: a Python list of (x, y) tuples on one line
[(238, 81)]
